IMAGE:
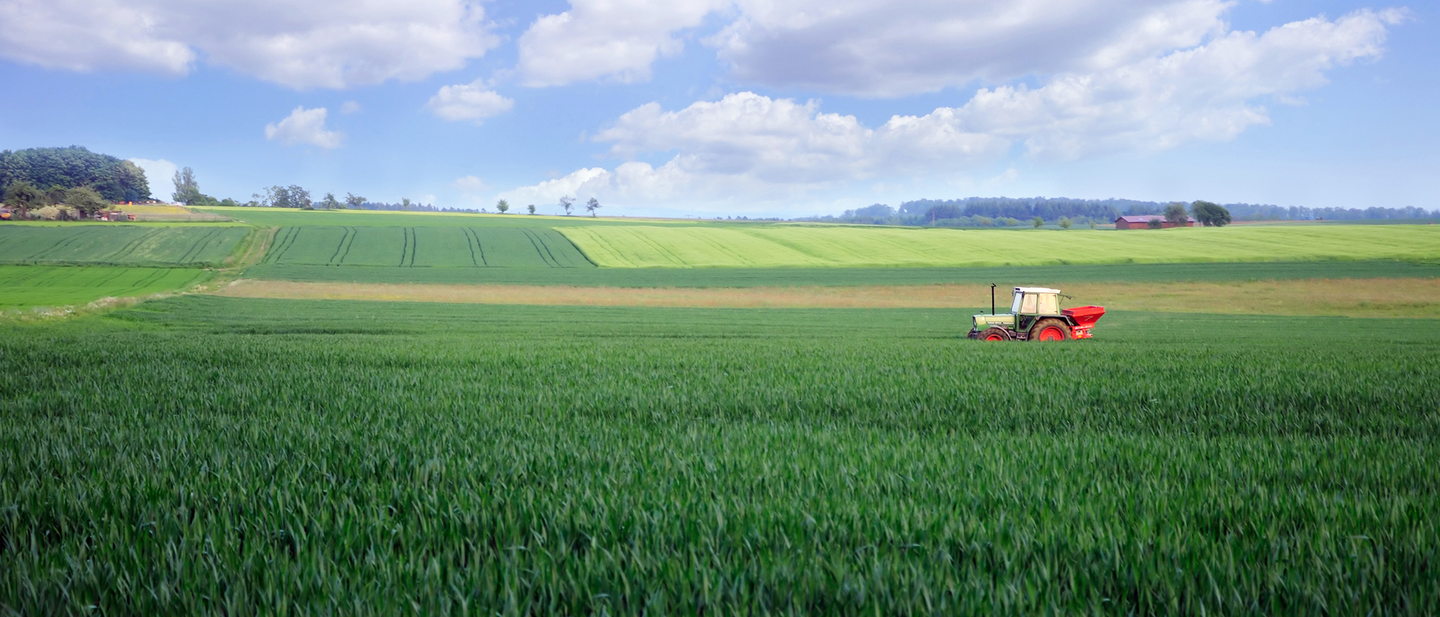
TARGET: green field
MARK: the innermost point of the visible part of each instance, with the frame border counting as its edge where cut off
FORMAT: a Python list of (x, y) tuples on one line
[(425, 247), (121, 245), (790, 277), (30, 286), (201, 454), (780, 246)]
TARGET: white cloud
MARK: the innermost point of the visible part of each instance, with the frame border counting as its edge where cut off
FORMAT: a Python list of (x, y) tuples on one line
[(746, 145), (326, 43), (304, 126), (884, 49), (618, 39), (470, 183), (350, 107), (468, 102), (159, 173)]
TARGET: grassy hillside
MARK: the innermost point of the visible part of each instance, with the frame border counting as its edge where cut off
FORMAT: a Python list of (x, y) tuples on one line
[(114, 244), (644, 246), (30, 286), (205, 455), (439, 247)]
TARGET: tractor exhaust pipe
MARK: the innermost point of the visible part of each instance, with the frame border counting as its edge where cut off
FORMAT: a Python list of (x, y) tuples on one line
[(992, 298)]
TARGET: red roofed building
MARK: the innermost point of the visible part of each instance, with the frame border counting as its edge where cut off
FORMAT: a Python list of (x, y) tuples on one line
[(1143, 222)]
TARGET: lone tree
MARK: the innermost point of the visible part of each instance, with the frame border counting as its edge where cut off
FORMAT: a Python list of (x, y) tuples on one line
[(405, 203), (1175, 213), (187, 190), (532, 208), (355, 201), (502, 206), (1037, 222), (1210, 214), (23, 195), (330, 203), (592, 206), (1065, 222), (85, 199), (566, 203)]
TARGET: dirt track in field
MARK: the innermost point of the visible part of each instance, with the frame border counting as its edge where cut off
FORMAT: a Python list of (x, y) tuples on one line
[(1351, 297)]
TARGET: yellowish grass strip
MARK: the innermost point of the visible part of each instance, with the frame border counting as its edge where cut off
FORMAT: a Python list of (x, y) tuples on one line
[(1348, 297)]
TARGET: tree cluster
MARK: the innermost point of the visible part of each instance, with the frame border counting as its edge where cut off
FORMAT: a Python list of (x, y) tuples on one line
[(39, 177)]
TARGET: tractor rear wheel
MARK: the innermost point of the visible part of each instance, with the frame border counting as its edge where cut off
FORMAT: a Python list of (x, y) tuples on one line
[(1050, 330), (995, 334)]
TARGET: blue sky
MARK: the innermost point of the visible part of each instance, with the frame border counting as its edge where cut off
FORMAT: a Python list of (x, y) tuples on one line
[(741, 107)]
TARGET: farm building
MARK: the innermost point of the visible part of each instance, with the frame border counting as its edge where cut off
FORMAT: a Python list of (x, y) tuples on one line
[(1143, 222)]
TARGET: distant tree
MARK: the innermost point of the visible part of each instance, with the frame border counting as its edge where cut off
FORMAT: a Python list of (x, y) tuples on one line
[(404, 203), (532, 208), (592, 206), (1092, 225), (1065, 223), (187, 190), (502, 206), (1037, 222), (23, 196), (87, 200), (1155, 223), (355, 201), (55, 195), (330, 203), (1210, 214), (300, 198), (131, 182), (1175, 213), (566, 203)]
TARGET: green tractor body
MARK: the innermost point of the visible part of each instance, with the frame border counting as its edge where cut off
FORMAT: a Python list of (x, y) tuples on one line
[(1035, 315)]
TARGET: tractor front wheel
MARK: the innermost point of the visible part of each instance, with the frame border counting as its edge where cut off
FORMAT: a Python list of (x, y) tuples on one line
[(1050, 330), (995, 334)]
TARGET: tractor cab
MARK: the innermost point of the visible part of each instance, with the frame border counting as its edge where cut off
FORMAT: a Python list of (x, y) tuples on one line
[(1035, 315)]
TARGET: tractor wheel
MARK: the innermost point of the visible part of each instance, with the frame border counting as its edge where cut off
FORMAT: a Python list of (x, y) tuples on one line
[(995, 334), (1050, 330)]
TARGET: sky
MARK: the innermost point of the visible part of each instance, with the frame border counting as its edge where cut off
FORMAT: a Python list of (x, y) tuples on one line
[(741, 107)]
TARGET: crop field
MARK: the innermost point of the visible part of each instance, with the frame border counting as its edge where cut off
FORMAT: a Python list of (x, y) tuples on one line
[(777, 246), (789, 277), (1340, 297), (206, 454), (116, 244), (427, 247), (30, 286)]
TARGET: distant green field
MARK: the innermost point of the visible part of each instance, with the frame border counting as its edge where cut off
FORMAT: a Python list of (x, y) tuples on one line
[(425, 247), (124, 245), (790, 277), (779, 246), (30, 286)]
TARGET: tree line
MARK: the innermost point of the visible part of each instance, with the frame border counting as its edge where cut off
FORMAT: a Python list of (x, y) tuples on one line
[(1009, 211)]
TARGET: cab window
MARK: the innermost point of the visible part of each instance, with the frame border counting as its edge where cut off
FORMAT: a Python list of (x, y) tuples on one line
[(1027, 306), (1015, 305), (1049, 304)]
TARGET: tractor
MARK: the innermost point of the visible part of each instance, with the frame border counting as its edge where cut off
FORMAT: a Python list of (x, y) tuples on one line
[(1035, 315)]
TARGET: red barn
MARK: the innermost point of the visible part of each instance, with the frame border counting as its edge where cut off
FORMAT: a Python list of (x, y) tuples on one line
[(1143, 222)]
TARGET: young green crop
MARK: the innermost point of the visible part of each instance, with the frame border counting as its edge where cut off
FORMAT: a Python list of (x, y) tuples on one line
[(789, 277), (778, 246), (427, 247), (126, 245), (203, 454), (30, 286)]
